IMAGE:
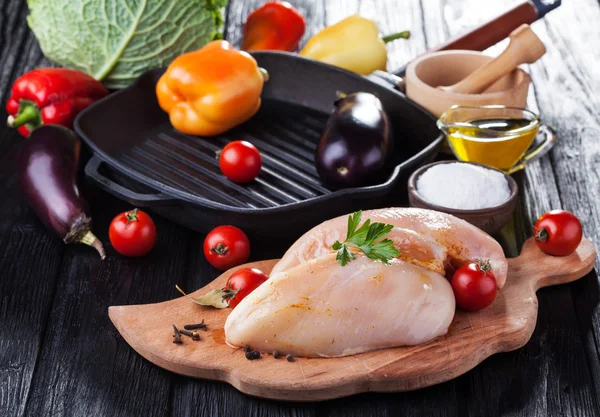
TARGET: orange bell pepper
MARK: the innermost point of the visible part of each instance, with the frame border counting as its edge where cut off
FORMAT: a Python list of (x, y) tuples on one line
[(211, 90)]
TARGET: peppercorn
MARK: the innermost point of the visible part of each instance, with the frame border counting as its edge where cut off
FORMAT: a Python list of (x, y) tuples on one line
[(290, 358), (255, 354), (276, 354)]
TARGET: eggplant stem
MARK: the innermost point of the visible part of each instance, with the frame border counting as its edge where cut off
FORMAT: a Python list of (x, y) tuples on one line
[(405, 34), (91, 240)]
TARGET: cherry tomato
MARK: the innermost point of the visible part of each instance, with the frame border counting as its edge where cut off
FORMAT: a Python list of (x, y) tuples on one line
[(132, 233), (243, 282), (226, 247), (240, 161), (474, 286), (558, 233)]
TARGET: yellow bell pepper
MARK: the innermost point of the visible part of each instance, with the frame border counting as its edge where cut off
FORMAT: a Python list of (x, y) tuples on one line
[(353, 44), (211, 90)]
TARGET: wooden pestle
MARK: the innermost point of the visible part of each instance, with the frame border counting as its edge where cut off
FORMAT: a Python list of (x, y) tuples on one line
[(524, 48)]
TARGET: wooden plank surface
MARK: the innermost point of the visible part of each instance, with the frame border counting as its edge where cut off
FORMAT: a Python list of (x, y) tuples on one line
[(59, 355)]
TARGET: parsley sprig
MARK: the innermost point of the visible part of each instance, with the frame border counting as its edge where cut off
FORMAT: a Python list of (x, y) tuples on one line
[(368, 238)]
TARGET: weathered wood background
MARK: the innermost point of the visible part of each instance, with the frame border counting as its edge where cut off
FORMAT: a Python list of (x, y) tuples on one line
[(60, 355)]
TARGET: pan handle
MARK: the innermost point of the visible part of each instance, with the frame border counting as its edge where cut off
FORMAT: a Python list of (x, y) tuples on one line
[(388, 80), (121, 192)]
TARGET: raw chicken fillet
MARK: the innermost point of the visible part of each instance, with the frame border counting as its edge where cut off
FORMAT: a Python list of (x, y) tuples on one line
[(312, 306)]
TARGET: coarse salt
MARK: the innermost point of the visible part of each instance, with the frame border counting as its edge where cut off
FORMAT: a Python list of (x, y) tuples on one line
[(463, 186)]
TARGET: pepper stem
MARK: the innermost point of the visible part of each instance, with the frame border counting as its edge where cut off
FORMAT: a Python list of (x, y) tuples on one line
[(28, 114), (405, 34), (264, 74), (90, 239)]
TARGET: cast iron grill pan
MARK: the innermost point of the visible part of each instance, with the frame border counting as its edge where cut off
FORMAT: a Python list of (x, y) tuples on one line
[(286, 136), (140, 158)]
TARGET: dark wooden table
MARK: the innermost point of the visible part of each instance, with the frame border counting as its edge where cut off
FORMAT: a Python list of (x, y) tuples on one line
[(60, 355)]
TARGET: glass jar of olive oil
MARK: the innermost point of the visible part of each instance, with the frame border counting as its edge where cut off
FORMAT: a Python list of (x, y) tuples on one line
[(497, 136)]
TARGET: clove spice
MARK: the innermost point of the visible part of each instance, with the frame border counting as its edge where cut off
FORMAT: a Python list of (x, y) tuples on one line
[(198, 326), (193, 335), (176, 336)]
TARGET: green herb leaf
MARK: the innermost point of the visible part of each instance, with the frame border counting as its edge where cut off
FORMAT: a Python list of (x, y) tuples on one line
[(115, 41), (344, 255), (368, 238), (378, 231), (359, 237), (382, 251), (353, 222)]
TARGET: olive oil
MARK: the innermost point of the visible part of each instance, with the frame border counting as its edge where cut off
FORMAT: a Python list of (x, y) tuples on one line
[(498, 142)]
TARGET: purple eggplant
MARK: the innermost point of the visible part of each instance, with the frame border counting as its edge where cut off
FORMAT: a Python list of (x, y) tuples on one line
[(47, 168), (356, 143)]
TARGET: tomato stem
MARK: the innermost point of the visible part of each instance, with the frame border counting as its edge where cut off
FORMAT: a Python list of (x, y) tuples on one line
[(484, 265), (228, 294), (220, 249), (131, 216), (541, 235)]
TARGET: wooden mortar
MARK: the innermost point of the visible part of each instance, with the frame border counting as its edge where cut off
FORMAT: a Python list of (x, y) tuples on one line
[(426, 73)]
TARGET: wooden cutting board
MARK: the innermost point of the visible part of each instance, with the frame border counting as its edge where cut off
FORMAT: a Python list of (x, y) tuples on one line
[(506, 325)]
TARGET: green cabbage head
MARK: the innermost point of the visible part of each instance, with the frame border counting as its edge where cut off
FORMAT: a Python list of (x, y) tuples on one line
[(115, 41)]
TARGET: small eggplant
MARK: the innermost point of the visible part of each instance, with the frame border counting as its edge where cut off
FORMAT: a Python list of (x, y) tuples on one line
[(356, 143), (47, 168)]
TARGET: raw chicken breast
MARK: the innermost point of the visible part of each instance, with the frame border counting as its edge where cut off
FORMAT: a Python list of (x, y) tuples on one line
[(424, 237), (320, 308)]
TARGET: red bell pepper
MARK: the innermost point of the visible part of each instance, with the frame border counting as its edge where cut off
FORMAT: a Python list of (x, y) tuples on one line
[(276, 26), (50, 96)]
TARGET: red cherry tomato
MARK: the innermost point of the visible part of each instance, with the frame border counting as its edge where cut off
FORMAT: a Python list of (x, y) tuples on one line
[(226, 247), (132, 233), (558, 233), (243, 282), (474, 286), (240, 161)]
